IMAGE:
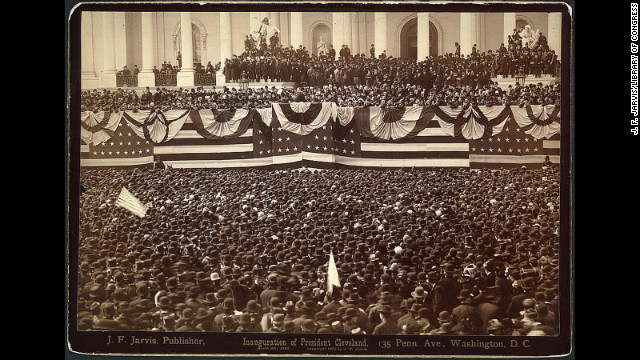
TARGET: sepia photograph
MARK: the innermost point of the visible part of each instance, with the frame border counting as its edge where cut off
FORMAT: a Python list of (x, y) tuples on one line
[(320, 179)]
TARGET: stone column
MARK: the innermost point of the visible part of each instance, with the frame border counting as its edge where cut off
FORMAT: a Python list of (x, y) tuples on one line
[(423, 36), (120, 32), (186, 75), (254, 23), (108, 74), (87, 66), (275, 20), (355, 34), (346, 18), (554, 32), (468, 32), (285, 38), (380, 33), (337, 32), (226, 49), (509, 25), (146, 76), (296, 30), (362, 23)]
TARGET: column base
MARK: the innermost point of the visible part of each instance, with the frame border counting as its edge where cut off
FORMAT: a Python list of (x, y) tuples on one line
[(186, 78), (220, 78), (89, 80), (108, 80), (146, 79)]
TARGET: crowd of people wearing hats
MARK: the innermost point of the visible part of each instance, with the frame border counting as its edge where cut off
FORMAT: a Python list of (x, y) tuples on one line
[(355, 80), (416, 251), (382, 95), (344, 68)]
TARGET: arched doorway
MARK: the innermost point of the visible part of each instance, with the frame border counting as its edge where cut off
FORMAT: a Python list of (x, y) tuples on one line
[(522, 21), (409, 39), (433, 39), (320, 34)]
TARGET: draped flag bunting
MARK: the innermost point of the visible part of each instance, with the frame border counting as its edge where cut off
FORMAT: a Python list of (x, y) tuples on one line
[(98, 128), (323, 135), (230, 148), (156, 126), (393, 123), (286, 145), (123, 149), (215, 125), (400, 137), (303, 118), (511, 147), (473, 122), (539, 122)]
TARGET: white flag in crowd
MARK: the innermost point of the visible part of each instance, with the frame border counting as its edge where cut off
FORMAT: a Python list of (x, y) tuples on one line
[(131, 203)]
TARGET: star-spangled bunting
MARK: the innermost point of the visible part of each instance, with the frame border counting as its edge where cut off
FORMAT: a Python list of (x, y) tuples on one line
[(319, 140), (284, 142), (512, 141), (262, 140), (347, 142), (338, 139), (122, 145)]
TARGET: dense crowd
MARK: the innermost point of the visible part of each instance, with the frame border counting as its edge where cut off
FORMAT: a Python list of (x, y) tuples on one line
[(383, 95), (355, 80), (290, 65), (417, 251)]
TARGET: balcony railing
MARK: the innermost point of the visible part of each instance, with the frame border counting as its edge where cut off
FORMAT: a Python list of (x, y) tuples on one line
[(205, 80), (166, 80), (126, 80)]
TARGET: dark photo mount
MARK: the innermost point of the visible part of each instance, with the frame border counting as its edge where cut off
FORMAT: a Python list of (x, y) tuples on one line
[(84, 337)]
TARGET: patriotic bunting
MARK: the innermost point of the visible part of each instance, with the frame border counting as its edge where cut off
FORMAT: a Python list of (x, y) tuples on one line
[(511, 147), (156, 126), (123, 149), (393, 123), (303, 118), (215, 125), (98, 128), (539, 122), (474, 122), (323, 135)]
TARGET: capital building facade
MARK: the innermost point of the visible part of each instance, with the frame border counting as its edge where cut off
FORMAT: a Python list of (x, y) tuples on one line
[(113, 40)]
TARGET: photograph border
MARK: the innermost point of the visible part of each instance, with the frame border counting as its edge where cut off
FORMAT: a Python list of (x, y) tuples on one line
[(88, 343)]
